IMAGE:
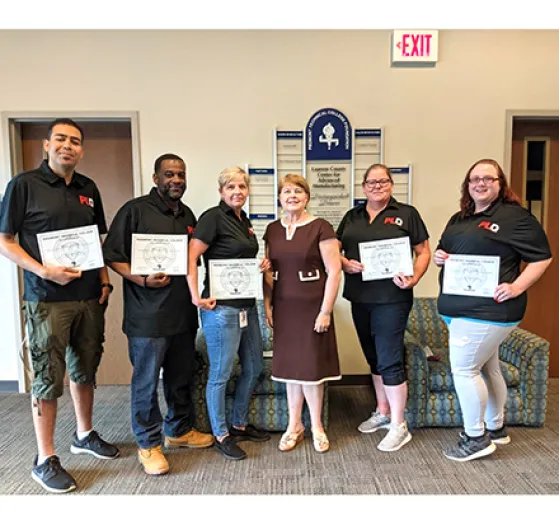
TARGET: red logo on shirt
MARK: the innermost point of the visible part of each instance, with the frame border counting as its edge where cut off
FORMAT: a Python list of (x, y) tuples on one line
[(86, 200), (492, 227), (393, 221), (190, 229), (251, 231)]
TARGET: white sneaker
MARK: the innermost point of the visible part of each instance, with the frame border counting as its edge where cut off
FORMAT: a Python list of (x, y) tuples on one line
[(374, 423), (397, 436)]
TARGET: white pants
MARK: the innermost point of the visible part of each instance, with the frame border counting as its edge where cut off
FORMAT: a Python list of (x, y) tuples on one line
[(479, 383)]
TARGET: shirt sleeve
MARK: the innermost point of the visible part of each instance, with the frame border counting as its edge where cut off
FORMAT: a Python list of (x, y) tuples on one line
[(118, 243), (99, 212), (206, 228), (326, 231), (450, 222), (341, 227), (13, 208), (529, 239), (418, 230)]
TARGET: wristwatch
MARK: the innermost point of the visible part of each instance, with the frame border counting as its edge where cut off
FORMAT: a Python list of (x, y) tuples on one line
[(109, 285)]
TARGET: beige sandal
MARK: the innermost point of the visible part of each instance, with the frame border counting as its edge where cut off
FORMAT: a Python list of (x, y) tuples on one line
[(289, 440), (320, 442)]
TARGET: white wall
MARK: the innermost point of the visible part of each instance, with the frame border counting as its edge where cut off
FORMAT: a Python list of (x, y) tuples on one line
[(214, 97)]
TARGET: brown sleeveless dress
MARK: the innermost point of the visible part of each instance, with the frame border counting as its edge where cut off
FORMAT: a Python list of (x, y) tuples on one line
[(301, 355)]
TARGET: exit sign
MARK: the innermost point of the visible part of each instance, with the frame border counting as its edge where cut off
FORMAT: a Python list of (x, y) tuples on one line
[(410, 47)]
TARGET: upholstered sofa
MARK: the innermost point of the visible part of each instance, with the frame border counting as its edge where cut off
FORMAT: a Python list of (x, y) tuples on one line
[(432, 398), (268, 405)]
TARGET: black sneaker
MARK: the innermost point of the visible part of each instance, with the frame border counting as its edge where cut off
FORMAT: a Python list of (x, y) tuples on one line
[(499, 436), (250, 432), (470, 448), (94, 445), (230, 449), (52, 476)]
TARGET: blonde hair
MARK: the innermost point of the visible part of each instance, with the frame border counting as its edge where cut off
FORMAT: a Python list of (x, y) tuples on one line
[(295, 180), (231, 173)]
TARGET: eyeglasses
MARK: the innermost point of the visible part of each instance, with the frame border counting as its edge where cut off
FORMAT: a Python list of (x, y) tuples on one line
[(485, 180), (370, 184)]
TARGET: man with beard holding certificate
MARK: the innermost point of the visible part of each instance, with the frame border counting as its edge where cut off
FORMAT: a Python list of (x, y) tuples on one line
[(159, 319), (380, 307)]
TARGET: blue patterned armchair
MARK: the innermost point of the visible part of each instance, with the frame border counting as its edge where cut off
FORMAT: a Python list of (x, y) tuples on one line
[(268, 405), (432, 400)]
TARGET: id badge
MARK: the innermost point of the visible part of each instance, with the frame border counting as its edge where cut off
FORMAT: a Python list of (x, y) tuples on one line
[(243, 319)]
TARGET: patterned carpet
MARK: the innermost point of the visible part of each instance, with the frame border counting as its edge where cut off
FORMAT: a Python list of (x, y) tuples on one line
[(530, 465)]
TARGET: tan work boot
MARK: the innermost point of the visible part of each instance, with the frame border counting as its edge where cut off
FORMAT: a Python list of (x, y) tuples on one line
[(193, 439), (153, 460)]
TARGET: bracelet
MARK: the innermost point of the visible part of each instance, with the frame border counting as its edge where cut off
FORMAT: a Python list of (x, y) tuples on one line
[(109, 285), (327, 313)]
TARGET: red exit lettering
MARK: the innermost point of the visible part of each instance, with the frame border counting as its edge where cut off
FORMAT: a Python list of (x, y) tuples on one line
[(415, 45)]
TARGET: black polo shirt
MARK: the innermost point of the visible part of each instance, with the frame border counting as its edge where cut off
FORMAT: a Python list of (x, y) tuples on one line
[(39, 201), (152, 312), (396, 220), (228, 237), (505, 230)]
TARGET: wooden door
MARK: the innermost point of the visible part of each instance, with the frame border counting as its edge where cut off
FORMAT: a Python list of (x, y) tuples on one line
[(108, 161), (531, 136)]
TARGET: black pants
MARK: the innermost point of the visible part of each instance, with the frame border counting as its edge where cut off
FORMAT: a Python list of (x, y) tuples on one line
[(380, 328)]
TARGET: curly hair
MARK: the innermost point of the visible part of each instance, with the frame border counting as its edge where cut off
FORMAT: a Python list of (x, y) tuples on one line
[(467, 204)]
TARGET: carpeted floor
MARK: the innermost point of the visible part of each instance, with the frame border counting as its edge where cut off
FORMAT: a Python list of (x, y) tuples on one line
[(529, 465)]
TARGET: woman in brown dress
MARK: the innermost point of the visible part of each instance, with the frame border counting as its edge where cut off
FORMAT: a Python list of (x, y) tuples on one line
[(299, 294)]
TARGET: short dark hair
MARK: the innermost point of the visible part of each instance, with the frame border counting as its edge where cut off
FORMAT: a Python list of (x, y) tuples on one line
[(166, 156), (64, 121), (377, 166)]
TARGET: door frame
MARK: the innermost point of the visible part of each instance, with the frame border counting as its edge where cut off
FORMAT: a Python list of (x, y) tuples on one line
[(509, 121), (13, 164)]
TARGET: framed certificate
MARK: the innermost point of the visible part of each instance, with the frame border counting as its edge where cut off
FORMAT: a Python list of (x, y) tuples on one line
[(469, 275), (153, 253), (231, 279), (385, 258), (78, 248)]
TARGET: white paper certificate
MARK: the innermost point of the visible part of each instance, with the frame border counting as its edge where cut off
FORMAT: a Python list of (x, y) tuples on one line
[(235, 278), (153, 253), (385, 258), (79, 248), (468, 275)]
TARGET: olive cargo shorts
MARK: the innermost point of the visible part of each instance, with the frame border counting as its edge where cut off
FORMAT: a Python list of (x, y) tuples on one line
[(64, 334)]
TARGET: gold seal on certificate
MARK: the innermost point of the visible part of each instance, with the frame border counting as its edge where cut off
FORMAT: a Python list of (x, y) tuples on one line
[(385, 258), (469, 275), (231, 279), (78, 248), (153, 253)]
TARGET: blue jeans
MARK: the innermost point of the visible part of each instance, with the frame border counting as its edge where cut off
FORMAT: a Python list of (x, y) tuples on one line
[(225, 339), (175, 354)]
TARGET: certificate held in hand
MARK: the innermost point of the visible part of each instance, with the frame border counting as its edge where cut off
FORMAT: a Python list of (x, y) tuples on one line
[(385, 258), (165, 253), (469, 275)]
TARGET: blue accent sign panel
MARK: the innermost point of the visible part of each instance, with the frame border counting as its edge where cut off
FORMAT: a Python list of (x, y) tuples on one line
[(328, 135)]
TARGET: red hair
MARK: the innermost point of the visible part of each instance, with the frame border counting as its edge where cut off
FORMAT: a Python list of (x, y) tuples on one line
[(467, 205)]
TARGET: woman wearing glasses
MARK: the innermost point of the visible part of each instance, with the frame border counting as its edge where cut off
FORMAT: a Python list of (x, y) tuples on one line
[(299, 296), (380, 307), (490, 222)]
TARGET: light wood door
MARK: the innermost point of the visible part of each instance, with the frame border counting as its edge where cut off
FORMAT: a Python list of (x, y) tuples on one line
[(108, 161), (543, 297)]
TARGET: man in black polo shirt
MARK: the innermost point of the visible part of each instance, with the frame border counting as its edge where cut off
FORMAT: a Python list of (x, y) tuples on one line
[(160, 320), (64, 307)]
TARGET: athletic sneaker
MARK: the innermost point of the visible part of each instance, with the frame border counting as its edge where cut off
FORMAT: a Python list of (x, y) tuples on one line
[(499, 436), (398, 436), (374, 423), (52, 476), (95, 446), (470, 448)]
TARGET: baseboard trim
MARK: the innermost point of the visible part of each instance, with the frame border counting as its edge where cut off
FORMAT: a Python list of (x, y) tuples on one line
[(353, 380), (8, 387)]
